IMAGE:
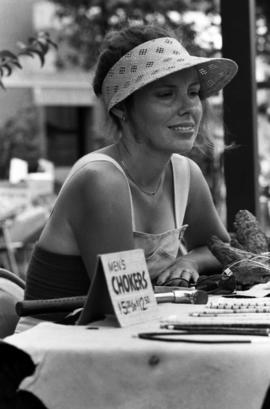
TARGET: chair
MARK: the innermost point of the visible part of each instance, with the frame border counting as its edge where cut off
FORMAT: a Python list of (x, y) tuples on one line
[(11, 291)]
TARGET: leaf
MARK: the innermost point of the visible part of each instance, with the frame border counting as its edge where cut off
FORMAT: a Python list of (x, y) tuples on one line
[(43, 45), (41, 56), (38, 45), (8, 54), (21, 45), (6, 69), (2, 85), (31, 51), (26, 52), (32, 40), (52, 43), (44, 36), (17, 64)]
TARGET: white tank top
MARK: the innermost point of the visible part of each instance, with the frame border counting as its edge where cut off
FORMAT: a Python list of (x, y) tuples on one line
[(163, 248)]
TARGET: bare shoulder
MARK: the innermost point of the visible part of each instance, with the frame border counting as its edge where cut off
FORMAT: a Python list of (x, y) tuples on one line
[(101, 168), (198, 181), (94, 196), (195, 169), (94, 181), (189, 163), (199, 193), (92, 214)]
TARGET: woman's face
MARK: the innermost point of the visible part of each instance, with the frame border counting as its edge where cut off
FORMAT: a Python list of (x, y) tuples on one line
[(165, 115)]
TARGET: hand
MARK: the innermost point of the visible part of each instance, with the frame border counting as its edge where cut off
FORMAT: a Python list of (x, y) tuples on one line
[(181, 273)]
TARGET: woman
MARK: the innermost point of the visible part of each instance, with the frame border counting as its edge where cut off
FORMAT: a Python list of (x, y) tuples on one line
[(141, 191)]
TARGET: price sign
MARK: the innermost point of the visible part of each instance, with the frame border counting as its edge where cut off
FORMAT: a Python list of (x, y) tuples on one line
[(122, 287)]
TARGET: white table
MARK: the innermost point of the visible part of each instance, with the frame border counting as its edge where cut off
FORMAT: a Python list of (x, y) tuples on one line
[(109, 367)]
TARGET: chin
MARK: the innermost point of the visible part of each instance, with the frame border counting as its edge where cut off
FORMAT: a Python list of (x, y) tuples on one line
[(184, 149)]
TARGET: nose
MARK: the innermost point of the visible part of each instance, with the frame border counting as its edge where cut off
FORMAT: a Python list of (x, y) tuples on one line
[(185, 104)]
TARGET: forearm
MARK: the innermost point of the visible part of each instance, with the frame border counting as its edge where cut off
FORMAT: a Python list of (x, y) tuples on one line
[(202, 259)]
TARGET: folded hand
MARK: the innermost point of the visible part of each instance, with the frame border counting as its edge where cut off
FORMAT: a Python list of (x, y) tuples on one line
[(181, 273)]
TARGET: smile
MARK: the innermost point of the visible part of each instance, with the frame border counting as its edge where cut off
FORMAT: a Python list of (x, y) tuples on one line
[(183, 129)]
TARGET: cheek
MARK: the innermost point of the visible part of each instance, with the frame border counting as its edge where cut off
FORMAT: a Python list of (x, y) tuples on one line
[(198, 112), (147, 117)]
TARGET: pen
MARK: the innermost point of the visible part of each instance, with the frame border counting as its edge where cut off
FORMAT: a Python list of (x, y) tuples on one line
[(233, 324), (181, 337), (218, 330)]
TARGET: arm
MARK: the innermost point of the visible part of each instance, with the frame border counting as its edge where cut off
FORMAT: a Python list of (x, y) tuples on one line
[(203, 221), (201, 214), (99, 213)]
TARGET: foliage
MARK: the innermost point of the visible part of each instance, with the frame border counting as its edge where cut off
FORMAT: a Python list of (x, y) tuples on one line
[(38, 45), (263, 33), (82, 24), (20, 137)]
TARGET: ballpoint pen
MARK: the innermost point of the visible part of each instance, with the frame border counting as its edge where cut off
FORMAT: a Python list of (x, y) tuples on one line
[(213, 329), (180, 336)]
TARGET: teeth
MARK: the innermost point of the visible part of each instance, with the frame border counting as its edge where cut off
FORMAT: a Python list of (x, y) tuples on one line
[(183, 128)]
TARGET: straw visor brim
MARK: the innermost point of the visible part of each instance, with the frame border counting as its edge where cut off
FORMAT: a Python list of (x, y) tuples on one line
[(129, 74)]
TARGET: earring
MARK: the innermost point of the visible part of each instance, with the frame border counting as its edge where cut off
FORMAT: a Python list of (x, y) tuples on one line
[(123, 117)]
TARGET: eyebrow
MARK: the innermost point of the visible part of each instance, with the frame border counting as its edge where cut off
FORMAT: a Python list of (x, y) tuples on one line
[(161, 85)]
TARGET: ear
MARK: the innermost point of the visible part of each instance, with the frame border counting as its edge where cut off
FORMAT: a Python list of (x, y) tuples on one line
[(119, 113)]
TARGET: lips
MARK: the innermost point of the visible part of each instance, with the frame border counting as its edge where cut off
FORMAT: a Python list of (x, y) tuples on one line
[(185, 127)]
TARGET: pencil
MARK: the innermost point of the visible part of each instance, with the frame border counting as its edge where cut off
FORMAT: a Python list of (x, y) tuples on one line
[(215, 312)]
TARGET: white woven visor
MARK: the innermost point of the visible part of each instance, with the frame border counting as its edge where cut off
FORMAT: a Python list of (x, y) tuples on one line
[(157, 58)]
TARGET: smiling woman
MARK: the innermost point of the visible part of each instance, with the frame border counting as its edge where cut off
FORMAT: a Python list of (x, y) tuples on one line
[(141, 191), (157, 113)]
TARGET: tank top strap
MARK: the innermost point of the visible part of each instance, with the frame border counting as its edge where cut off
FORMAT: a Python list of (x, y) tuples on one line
[(181, 181), (94, 157)]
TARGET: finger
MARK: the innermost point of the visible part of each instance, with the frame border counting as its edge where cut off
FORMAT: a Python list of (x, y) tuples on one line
[(182, 282), (171, 281), (162, 279), (194, 277), (180, 279), (176, 282), (186, 275)]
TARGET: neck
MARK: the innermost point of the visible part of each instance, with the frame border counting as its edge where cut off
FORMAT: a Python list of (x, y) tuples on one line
[(145, 170)]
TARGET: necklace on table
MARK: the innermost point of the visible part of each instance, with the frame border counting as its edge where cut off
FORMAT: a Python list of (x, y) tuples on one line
[(146, 192)]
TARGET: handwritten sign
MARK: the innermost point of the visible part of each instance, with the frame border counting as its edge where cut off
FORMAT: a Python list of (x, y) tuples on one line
[(121, 287)]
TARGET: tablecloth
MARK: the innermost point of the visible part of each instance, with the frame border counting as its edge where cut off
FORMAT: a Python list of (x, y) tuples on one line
[(109, 367)]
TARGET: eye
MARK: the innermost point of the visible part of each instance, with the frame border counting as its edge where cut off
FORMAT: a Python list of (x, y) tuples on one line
[(165, 94), (194, 91)]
